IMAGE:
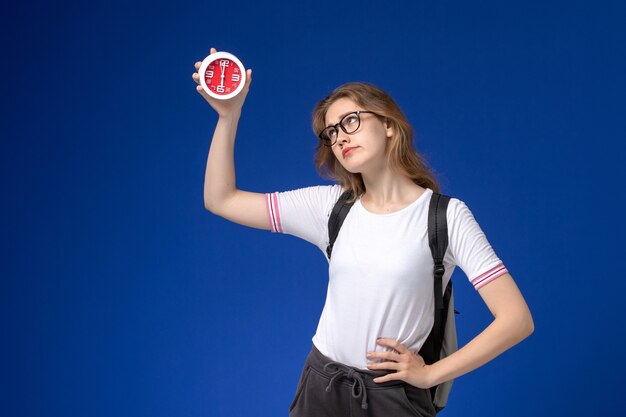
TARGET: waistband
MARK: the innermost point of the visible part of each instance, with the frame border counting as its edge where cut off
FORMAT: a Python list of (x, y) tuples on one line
[(360, 380)]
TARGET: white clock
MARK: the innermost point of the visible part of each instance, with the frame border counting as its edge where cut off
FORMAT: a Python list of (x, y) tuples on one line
[(222, 75)]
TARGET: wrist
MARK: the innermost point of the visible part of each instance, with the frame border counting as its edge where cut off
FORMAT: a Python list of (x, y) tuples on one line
[(433, 377), (230, 116)]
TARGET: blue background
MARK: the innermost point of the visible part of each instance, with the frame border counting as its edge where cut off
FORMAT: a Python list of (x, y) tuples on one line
[(121, 295)]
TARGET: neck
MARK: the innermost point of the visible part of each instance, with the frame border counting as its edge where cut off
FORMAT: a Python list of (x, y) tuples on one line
[(387, 187)]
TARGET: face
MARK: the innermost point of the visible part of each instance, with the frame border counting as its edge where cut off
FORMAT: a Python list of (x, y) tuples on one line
[(365, 148)]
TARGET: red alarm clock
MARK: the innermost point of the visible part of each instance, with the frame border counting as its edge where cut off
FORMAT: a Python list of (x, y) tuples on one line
[(222, 75)]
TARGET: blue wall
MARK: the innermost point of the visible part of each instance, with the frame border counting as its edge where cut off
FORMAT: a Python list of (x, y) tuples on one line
[(122, 296)]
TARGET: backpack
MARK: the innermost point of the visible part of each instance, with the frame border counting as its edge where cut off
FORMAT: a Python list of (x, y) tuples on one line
[(442, 340)]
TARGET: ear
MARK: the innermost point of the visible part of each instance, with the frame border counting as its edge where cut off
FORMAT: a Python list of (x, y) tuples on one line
[(390, 130)]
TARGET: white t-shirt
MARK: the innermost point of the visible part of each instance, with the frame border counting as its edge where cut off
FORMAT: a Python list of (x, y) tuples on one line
[(381, 270)]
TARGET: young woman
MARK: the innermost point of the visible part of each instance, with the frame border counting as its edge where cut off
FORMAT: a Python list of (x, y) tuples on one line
[(379, 306)]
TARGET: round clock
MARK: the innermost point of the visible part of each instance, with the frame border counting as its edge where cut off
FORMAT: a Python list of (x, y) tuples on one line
[(222, 75)]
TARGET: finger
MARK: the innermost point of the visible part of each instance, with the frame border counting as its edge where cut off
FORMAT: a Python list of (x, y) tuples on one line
[(388, 377), (197, 65), (213, 50), (246, 86), (201, 91), (385, 355), (384, 365), (393, 344), (196, 77)]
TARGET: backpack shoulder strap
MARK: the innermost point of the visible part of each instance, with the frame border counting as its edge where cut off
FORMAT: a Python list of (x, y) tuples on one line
[(337, 216), (438, 242), (437, 225), (438, 237)]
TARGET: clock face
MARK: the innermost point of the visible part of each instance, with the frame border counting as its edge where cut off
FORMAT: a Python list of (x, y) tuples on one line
[(222, 75)]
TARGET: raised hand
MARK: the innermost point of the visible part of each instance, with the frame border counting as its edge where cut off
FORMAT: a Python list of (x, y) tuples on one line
[(224, 108)]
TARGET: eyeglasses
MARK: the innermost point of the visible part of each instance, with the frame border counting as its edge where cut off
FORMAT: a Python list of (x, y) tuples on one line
[(349, 124)]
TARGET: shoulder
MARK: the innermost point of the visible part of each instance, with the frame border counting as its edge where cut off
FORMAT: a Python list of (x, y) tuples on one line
[(454, 207), (334, 192), (462, 224), (328, 193), (303, 212), (455, 204), (315, 197), (458, 215), (315, 190)]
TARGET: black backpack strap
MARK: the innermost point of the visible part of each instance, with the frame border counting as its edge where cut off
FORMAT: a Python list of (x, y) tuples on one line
[(337, 216), (438, 242)]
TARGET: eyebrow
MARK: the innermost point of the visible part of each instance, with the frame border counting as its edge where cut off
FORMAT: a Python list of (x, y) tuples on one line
[(342, 116)]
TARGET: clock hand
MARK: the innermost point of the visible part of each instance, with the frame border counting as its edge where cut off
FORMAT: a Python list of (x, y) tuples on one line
[(223, 67)]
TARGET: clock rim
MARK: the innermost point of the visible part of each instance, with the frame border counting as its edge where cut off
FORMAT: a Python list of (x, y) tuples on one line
[(212, 57)]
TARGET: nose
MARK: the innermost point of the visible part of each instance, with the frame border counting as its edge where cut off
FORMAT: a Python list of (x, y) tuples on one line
[(342, 137)]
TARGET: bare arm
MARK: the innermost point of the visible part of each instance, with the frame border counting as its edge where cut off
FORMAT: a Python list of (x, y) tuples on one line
[(512, 323), (221, 195)]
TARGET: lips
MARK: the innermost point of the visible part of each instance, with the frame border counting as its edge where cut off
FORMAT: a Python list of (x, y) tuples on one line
[(347, 151)]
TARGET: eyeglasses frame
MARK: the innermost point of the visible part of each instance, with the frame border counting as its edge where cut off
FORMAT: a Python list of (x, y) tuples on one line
[(358, 115)]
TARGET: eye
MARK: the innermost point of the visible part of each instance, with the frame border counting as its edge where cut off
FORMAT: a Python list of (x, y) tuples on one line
[(350, 120), (330, 133)]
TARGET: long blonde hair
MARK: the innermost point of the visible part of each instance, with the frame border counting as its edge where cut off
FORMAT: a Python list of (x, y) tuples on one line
[(401, 154)]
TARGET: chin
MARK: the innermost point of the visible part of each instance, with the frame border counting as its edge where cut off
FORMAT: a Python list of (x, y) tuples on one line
[(350, 169)]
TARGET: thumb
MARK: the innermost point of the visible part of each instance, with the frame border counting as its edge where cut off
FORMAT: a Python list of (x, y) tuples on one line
[(248, 79)]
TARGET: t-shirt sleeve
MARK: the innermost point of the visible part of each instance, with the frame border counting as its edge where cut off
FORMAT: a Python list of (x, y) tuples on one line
[(303, 212), (469, 247)]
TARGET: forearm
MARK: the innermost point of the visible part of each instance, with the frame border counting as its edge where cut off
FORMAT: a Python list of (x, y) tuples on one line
[(220, 179), (502, 334)]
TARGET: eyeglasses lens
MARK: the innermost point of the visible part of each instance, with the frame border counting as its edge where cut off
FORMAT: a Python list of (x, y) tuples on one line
[(349, 124)]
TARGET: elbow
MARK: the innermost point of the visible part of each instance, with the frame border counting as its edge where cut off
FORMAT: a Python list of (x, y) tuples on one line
[(519, 326), (216, 204), (211, 206), (530, 325), (525, 326)]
